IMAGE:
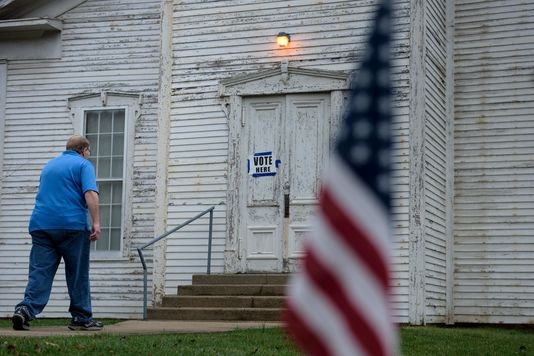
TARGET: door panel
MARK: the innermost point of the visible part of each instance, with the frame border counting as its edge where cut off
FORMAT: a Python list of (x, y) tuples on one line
[(264, 126), (296, 129), (308, 137), (262, 246), (308, 141)]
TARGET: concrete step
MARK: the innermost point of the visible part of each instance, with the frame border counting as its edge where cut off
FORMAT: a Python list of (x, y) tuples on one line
[(252, 278), (224, 301), (250, 297), (232, 289), (249, 314)]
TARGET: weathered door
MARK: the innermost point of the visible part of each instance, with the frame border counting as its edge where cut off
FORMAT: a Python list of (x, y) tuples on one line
[(277, 202)]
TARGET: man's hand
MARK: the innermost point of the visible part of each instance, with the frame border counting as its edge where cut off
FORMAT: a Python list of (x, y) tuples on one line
[(95, 233), (91, 198)]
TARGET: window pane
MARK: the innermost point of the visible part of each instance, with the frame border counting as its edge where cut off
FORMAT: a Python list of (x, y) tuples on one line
[(105, 192), (104, 168), (91, 122), (115, 239), (93, 141), (116, 216), (118, 144), (117, 193), (104, 147), (102, 244), (117, 168), (106, 118), (118, 121), (104, 216)]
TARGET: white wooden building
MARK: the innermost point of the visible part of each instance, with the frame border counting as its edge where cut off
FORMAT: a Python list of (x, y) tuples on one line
[(177, 96)]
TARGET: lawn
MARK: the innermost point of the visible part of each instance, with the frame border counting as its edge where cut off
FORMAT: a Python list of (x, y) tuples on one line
[(429, 340), (483, 340)]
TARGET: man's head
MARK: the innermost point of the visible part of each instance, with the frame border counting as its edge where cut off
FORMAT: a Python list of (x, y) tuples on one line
[(79, 144)]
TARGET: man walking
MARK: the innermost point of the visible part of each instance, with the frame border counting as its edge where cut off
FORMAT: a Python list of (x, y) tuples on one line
[(59, 229)]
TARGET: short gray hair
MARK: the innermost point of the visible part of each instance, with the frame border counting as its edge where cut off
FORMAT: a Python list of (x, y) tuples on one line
[(77, 143)]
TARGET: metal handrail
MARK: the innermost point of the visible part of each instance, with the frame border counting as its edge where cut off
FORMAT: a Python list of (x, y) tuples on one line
[(151, 242)]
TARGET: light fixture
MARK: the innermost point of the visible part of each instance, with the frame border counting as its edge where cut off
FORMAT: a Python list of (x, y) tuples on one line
[(282, 39)]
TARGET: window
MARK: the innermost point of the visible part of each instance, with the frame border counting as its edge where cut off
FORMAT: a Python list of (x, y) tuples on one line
[(107, 120), (105, 130)]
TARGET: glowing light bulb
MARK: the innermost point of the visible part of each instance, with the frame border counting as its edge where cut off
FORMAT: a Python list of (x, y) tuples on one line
[(282, 39)]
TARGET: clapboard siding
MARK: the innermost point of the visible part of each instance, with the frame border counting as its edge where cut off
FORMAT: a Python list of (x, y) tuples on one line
[(217, 40), (494, 186), (400, 196), (107, 45), (435, 160)]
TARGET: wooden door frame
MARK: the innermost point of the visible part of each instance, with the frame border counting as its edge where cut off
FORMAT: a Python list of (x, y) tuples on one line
[(281, 80)]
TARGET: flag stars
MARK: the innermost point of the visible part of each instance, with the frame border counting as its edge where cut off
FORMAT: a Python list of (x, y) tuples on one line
[(362, 101), (383, 26), (364, 79), (368, 55), (360, 154), (382, 78), (365, 140), (383, 53), (362, 128)]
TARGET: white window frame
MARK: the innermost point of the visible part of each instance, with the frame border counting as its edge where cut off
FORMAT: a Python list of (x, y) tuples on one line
[(130, 103)]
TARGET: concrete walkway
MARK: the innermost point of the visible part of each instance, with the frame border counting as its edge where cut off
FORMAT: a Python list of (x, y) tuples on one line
[(145, 327)]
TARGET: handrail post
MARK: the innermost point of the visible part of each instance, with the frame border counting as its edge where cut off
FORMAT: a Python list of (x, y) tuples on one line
[(209, 240), (145, 294), (145, 284)]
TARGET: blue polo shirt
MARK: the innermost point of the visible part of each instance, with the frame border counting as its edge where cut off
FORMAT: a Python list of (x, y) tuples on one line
[(60, 201)]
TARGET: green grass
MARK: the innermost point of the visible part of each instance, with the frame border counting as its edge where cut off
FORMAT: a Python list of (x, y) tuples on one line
[(240, 342), (451, 341), (429, 340)]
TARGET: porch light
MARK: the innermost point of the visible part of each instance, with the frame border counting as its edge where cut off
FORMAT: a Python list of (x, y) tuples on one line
[(282, 39)]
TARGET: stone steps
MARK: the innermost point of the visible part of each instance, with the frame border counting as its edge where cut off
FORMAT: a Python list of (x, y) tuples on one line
[(246, 297), (223, 301), (234, 289)]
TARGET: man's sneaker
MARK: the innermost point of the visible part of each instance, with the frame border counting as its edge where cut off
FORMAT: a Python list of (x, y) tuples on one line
[(21, 319), (89, 325)]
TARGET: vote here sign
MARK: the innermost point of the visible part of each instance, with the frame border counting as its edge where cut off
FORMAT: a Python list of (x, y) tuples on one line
[(262, 164)]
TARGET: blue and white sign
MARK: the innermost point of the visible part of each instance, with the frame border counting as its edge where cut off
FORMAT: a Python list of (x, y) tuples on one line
[(263, 164)]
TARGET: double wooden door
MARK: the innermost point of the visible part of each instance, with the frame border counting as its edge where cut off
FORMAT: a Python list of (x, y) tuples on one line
[(275, 208)]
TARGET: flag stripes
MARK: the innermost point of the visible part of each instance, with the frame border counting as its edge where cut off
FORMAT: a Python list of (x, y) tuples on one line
[(332, 289), (301, 332), (364, 298), (320, 319), (355, 239)]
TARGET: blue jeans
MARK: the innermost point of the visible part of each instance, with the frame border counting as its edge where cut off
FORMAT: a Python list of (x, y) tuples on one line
[(48, 247)]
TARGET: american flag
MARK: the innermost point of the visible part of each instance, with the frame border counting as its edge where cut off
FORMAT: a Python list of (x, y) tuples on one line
[(338, 304)]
